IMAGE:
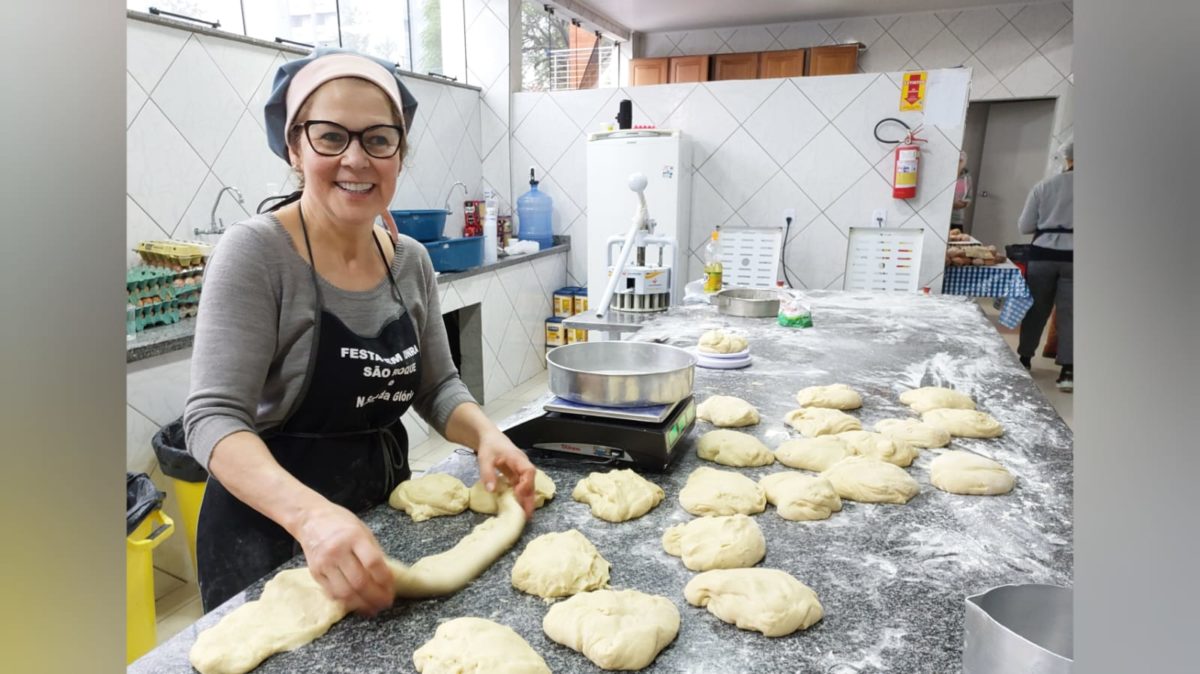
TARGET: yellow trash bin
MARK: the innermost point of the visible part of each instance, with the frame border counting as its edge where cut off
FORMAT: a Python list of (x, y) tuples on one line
[(151, 529)]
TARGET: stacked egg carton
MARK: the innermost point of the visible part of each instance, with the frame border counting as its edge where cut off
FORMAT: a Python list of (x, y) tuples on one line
[(166, 288)]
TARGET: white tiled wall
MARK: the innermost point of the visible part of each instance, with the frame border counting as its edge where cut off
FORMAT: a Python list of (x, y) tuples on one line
[(195, 125), (758, 147), (1013, 50)]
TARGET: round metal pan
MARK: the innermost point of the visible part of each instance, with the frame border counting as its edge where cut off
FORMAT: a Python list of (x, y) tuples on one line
[(747, 302), (621, 374)]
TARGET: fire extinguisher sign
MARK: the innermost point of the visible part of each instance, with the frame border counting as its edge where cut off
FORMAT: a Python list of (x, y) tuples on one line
[(912, 91)]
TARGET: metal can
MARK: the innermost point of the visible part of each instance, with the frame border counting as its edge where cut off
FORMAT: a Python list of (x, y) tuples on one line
[(555, 332), (564, 302), (504, 230), (576, 335), (580, 300), (473, 217)]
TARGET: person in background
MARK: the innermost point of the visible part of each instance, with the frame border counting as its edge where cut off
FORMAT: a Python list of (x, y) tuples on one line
[(1049, 217), (316, 332), (962, 193)]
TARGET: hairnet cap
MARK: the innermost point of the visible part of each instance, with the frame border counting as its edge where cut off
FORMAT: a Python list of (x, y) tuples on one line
[(1067, 151), (296, 80)]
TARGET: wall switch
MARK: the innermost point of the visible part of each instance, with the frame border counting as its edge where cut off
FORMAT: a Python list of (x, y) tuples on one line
[(879, 217)]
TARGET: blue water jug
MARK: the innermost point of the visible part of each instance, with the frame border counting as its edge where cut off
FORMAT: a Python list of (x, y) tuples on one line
[(534, 211)]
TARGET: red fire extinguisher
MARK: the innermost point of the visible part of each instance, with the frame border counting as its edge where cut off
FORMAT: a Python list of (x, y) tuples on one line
[(906, 166)]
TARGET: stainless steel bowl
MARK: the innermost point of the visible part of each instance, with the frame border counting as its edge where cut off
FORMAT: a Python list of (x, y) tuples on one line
[(621, 374), (748, 302)]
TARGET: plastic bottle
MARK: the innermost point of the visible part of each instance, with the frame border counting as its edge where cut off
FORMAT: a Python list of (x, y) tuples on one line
[(714, 271), (534, 212), (490, 223)]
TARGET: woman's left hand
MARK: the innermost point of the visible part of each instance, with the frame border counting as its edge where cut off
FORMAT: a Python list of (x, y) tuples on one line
[(497, 452)]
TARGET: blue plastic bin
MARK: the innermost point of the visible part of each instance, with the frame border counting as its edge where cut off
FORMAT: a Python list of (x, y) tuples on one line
[(422, 225), (456, 254)]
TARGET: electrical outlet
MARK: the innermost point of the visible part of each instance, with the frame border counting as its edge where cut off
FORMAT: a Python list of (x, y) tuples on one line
[(789, 213), (879, 217)]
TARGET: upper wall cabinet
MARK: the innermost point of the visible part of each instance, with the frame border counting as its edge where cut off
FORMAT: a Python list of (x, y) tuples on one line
[(839, 59), (789, 63), (739, 66), (649, 71), (689, 69)]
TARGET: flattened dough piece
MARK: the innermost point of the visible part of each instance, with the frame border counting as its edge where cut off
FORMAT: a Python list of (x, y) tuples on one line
[(869, 480), (719, 341), (815, 421), (727, 412), (763, 600), (879, 446), (961, 472), (618, 495), (964, 423), (615, 629), (913, 431), (797, 496), (727, 542), (559, 564), (709, 491), (815, 454), (292, 611), (431, 495), (935, 398), (480, 500), (477, 645), (834, 396), (733, 448)]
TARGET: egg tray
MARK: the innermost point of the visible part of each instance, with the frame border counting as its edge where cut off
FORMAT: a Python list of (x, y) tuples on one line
[(176, 255), (147, 285)]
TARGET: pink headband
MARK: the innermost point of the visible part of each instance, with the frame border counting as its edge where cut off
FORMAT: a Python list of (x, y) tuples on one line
[(336, 66)]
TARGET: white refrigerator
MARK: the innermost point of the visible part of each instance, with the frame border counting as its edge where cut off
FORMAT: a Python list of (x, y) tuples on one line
[(664, 157)]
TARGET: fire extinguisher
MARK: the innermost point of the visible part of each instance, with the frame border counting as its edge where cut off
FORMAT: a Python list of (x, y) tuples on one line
[(906, 161)]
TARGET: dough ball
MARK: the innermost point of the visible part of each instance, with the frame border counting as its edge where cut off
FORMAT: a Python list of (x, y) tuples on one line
[(709, 491), (483, 501), (961, 472), (964, 423), (834, 396), (477, 645), (814, 421), (431, 495), (717, 341), (763, 600), (728, 542), (815, 454), (618, 495), (797, 496), (936, 397), (869, 480), (559, 565), (913, 431), (727, 411), (733, 448), (615, 629), (879, 446)]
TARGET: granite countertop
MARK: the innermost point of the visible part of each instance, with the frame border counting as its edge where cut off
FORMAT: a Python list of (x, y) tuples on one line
[(159, 340), (892, 578)]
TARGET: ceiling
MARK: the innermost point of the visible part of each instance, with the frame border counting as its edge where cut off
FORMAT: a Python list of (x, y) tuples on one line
[(646, 16)]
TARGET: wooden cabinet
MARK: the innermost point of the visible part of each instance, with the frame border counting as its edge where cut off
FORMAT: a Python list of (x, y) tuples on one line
[(839, 59), (689, 69), (789, 63), (649, 71), (735, 66)]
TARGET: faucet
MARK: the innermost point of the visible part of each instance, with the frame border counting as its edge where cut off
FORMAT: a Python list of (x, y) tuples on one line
[(456, 184), (215, 224)]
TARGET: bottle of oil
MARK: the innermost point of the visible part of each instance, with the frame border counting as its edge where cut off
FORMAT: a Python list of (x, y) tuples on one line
[(713, 270)]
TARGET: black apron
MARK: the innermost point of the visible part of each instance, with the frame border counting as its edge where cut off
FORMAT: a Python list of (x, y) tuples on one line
[(1042, 254), (343, 438)]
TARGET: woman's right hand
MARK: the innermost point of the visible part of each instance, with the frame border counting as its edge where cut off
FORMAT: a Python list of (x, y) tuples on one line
[(345, 558)]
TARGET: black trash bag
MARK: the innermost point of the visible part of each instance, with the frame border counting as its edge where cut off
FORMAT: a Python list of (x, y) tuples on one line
[(141, 499), (173, 456)]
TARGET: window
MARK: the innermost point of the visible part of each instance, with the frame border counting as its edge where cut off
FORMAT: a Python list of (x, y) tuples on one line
[(377, 28), (295, 20), (227, 12), (558, 54)]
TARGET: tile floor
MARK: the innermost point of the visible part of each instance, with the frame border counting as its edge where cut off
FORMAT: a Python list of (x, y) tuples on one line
[(178, 602)]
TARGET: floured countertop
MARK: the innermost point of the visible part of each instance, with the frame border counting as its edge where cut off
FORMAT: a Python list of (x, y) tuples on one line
[(892, 578)]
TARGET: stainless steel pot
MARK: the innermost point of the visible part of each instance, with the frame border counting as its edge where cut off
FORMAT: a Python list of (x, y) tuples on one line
[(621, 374), (1019, 628), (748, 302)]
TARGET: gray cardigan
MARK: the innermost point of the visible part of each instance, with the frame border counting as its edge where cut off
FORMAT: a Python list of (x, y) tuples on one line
[(254, 333)]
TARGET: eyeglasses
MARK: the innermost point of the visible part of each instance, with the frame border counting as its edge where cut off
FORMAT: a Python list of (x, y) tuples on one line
[(330, 139)]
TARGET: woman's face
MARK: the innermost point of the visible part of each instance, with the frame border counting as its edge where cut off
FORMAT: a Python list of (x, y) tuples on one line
[(353, 187)]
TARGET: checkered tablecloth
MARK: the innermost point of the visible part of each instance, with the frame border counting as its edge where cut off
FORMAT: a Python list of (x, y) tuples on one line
[(1004, 282)]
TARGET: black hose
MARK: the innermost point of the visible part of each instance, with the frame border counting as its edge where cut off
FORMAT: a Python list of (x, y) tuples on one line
[(890, 119)]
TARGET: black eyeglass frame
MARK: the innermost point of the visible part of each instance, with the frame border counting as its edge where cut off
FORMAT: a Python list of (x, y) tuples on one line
[(351, 136)]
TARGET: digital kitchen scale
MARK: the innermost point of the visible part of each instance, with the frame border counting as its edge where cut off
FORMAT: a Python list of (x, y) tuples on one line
[(645, 437)]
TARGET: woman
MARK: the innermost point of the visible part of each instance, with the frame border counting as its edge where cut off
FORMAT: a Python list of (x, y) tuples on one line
[(316, 331), (962, 193)]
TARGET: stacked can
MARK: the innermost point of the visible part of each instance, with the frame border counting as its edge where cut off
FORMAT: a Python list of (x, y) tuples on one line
[(568, 301)]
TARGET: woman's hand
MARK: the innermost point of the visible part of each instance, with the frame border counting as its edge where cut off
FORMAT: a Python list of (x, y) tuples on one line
[(344, 557), (497, 452)]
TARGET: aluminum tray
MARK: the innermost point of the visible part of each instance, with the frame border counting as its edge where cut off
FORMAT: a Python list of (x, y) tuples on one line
[(748, 302), (621, 374)]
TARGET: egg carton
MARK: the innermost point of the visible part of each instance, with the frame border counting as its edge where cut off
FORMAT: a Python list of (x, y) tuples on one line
[(173, 254)]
